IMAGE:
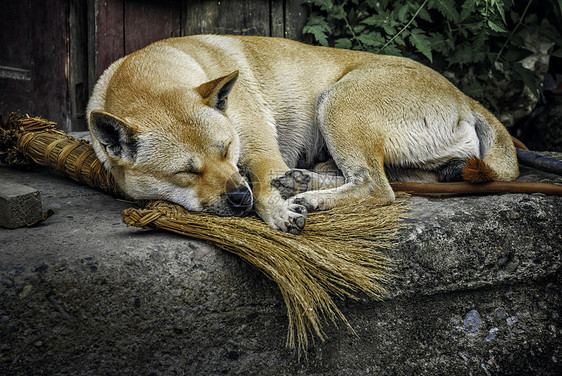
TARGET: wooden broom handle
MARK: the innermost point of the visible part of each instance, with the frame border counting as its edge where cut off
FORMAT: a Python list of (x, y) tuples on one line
[(472, 188)]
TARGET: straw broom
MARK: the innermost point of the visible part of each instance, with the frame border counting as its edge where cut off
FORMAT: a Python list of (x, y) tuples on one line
[(25, 141), (338, 254)]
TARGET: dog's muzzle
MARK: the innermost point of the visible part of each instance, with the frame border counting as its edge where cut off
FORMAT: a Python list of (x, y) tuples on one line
[(240, 199)]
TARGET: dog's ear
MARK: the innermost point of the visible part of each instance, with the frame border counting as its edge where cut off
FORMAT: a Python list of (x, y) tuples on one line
[(215, 92), (116, 135)]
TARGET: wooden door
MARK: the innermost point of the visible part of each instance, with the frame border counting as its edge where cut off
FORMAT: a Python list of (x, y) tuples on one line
[(55, 50), (34, 63)]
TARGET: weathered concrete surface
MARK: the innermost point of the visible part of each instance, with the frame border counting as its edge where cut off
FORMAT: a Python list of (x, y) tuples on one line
[(20, 205), (477, 291)]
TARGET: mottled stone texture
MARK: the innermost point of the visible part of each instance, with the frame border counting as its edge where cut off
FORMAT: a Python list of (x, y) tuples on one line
[(20, 205), (477, 290)]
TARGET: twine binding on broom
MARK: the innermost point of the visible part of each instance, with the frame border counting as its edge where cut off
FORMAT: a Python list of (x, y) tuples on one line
[(25, 141), (338, 254)]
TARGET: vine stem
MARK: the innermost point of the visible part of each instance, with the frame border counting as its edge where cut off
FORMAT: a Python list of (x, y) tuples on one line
[(351, 29), (512, 33), (353, 34), (404, 28)]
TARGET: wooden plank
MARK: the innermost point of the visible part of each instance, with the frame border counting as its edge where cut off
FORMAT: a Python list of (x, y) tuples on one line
[(109, 41), (295, 19), (91, 43), (277, 18), (250, 17), (148, 21), (78, 73), (49, 73)]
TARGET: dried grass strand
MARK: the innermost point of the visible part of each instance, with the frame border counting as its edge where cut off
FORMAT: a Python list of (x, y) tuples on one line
[(337, 255)]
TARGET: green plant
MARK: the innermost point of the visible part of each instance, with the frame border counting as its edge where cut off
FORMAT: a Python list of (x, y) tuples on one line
[(474, 41)]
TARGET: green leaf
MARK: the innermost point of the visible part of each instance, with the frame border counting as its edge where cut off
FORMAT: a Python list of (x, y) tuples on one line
[(316, 19), (424, 15), (437, 41), (499, 5), (323, 4), (358, 29), (319, 30), (403, 11), (391, 49), (343, 43), (514, 54), (375, 20), (447, 9), (373, 4), (496, 27), (474, 27), (529, 78), (338, 13), (468, 8), (389, 29), (399, 40), (479, 44), (372, 39), (420, 41), (560, 5)]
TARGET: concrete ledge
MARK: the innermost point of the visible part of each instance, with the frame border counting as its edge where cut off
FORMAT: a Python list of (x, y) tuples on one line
[(477, 291)]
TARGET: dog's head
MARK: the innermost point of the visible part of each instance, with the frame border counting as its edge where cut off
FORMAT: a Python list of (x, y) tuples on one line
[(175, 145)]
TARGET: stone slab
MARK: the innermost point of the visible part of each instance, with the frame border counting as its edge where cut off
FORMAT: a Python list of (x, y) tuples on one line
[(20, 205)]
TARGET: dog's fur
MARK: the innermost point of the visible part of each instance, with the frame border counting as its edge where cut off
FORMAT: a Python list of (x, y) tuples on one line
[(187, 119)]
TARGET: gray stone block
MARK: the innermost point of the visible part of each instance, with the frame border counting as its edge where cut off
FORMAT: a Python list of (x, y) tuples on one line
[(20, 205)]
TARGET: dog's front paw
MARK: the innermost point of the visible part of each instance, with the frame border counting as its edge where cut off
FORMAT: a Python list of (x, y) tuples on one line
[(289, 217), (292, 183)]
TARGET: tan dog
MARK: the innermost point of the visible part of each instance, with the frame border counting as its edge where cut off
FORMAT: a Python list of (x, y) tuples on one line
[(185, 118)]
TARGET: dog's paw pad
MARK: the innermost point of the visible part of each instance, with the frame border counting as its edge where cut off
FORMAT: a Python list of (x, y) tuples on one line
[(301, 201), (298, 208), (296, 219), (295, 225), (292, 183)]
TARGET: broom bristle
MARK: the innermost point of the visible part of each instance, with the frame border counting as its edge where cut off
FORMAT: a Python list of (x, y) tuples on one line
[(338, 253)]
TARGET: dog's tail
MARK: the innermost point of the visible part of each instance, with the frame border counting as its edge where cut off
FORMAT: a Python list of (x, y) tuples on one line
[(458, 176), (477, 171), (471, 170)]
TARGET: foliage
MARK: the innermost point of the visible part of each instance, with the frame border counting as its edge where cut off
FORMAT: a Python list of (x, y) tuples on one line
[(473, 40)]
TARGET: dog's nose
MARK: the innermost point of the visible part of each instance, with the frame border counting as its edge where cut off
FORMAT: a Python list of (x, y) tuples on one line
[(240, 197)]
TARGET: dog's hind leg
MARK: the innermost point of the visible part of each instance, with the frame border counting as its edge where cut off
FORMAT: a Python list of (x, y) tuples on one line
[(356, 144)]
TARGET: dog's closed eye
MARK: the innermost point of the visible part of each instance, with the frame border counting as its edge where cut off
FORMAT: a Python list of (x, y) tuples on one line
[(189, 173), (225, 150), (191, 168)]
